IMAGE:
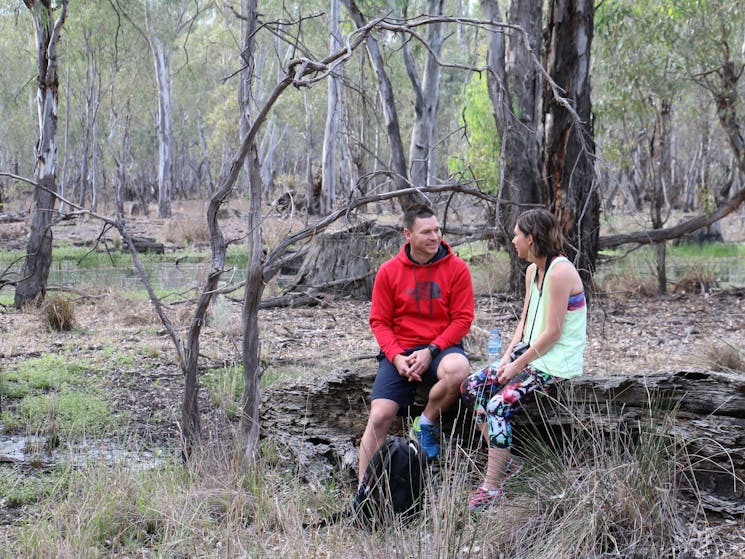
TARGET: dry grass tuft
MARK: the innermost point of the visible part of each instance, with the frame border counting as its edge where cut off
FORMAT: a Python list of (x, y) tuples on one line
[(697, 281), (58, 313), (186, 230), (490, 273), (724, 356), (12, 231), (630, 282), (599, 491)]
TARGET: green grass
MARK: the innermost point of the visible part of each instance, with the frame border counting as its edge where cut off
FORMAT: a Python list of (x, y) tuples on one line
[(19, 490), (708, 250), (6, 298), (49, 372), (635, 271), (71, 412), (225, 386), (54, 394)]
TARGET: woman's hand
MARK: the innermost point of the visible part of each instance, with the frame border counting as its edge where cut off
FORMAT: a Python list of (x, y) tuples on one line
[(506, 372)]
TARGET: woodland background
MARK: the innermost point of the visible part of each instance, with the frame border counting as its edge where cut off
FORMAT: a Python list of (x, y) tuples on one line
[(280, 121)]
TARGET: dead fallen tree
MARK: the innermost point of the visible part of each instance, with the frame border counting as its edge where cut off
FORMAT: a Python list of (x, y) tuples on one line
[(323, 420)]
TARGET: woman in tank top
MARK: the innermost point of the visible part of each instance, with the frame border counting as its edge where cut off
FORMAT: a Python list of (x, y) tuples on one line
[(549, 342)]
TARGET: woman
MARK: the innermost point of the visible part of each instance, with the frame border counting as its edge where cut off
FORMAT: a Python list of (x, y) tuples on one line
[(553, 325)]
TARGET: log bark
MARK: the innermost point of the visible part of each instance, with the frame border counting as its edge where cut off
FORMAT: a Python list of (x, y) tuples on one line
[(341, 260), (322, 421)]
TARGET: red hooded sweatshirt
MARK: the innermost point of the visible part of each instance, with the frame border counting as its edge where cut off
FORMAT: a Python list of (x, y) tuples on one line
[(419, 304)]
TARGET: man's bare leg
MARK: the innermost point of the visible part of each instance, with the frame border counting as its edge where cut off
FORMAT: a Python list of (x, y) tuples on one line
[(382, 414), (451, 372)]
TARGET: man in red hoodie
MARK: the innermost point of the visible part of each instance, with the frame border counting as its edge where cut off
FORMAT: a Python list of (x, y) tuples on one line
[(422, 307)]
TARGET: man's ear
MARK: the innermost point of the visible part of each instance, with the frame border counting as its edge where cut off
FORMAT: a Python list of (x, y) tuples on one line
[(407, 234)]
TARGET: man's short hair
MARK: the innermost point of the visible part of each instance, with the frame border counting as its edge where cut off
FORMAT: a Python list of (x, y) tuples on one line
[(417, 211)]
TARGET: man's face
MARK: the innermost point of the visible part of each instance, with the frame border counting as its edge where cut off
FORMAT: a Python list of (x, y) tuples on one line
[(424, 238)]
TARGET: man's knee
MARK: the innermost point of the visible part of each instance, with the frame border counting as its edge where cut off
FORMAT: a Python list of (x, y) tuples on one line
[(382, 414), (454, 369)]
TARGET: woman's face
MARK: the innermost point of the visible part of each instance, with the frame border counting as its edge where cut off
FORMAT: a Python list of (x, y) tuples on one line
[(522, 243)]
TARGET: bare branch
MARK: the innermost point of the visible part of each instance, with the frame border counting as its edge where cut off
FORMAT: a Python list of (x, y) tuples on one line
[(688, 226)]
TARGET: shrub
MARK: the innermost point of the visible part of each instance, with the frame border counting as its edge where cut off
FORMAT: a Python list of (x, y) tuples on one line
[(59, 313), (697, 281)]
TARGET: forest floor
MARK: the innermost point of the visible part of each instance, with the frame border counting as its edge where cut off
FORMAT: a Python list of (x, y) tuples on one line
[(627, 334)]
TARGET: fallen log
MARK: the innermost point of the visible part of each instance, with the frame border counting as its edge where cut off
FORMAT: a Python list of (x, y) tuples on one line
[(322, 420), (147, 244), (12, 217)]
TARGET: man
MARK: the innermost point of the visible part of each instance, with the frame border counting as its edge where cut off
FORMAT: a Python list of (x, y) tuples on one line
[(422, 307)]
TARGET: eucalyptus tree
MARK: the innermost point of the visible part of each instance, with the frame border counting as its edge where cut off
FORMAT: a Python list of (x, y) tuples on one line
[(555, 168), (17, 98), (333, 112), (641, 90), (422, 167), (49, 18), (399, 168), (568, 136), (163, 26), (514, 85)]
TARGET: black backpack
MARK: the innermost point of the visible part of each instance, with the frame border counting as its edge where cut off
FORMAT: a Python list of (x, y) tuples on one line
[(393, 484)]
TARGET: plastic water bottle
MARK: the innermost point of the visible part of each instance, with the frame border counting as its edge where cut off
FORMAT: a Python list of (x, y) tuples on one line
[(494, 347)]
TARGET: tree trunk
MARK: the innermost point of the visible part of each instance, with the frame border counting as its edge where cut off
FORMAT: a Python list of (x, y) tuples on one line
[(333, 111), (63, 181), (205, 168), (311, 192), (340, 261), (514, 87), (250, 421), (660, 176), (426, 100), (569, 144), (322, 421), (33, 282), (254, 273), (385, 87), (161, 58)]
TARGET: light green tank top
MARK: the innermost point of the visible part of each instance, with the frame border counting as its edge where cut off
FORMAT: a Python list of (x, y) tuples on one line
[(565, 358)]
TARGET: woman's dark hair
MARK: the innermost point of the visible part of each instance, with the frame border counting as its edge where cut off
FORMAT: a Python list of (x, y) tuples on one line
[(548, 239), (415, 212)]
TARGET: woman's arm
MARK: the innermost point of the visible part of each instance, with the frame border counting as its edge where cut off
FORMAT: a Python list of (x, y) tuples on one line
[(564, 278)]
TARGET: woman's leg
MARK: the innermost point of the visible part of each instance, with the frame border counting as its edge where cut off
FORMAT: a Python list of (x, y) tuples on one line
[(477, 390), (499, 409)]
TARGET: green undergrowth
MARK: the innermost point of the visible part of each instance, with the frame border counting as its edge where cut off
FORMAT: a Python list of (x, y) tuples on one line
[(689, 267), (55, 396), (19, 490), (226, 384)]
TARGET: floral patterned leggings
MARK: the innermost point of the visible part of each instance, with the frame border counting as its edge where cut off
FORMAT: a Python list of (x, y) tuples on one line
[(495, 403)]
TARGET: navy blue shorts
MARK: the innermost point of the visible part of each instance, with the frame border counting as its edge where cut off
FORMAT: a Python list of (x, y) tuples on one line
[(392, 386)]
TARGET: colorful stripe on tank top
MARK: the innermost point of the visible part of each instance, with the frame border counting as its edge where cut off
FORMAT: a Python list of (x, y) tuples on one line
[(576, 302)]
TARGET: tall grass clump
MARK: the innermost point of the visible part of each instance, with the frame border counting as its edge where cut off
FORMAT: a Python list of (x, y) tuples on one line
[(58, 313), (724, 356), (187, 230), (606, 487), (490, 269)]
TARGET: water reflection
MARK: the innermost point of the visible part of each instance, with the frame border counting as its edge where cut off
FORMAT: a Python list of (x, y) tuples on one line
[(32, 450), (165, 275)]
